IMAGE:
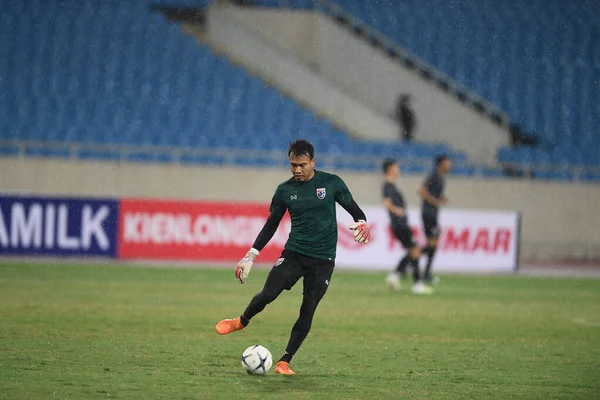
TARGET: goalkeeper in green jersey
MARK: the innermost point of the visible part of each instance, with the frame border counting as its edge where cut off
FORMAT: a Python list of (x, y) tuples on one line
[(310, 197)]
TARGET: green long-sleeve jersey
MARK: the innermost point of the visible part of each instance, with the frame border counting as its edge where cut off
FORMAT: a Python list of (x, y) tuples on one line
[(312, 210)]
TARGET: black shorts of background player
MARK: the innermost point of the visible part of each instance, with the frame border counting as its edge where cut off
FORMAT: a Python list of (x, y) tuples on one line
[(395, 205), (432, 193)]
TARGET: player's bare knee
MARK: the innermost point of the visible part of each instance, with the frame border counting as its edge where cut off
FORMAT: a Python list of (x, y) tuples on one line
[(415, 253), (432, 242)]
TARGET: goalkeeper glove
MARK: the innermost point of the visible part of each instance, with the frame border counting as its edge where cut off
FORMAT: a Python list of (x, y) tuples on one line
[(242, 269), (362, 234)]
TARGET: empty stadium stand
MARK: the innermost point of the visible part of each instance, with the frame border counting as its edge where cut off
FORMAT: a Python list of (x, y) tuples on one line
[(538, 60), (114, 80), (92, 78)]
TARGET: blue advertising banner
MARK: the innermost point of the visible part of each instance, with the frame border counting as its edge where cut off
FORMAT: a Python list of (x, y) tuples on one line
[(58, 226)]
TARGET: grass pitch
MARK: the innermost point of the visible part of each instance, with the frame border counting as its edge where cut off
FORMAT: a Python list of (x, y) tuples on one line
[(92, 332)]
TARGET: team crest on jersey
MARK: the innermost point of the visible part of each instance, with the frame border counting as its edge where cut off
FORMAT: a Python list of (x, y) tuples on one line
[(321, 193), (279, 261)]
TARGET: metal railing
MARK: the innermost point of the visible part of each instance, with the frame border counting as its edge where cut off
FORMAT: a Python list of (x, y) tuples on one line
[(530, 169), (228, 156), (236, 157)]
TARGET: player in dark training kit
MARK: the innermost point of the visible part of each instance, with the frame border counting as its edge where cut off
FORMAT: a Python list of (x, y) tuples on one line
[(310, 197), (432, 193), (394, 203)]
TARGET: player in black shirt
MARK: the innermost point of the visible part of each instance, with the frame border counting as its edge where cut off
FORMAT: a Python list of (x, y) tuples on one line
[(432, 193), (394, 203)]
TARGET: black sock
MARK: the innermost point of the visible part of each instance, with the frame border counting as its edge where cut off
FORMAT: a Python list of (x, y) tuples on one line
[(286, 357), (245, 321), (401, 269), (430, 254), (414, 263), (426, 251)]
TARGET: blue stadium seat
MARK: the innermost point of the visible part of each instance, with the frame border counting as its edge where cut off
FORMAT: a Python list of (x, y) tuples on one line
[(553, 175), (590, 177), (117, 72), (9, 151), (458, 157), (46, 152), (101, 155), (150, 157), (462, 170), (262, 162), (498, 33), (540, 156), (297, 4), (424, 150), (492, 173), (354, 165), (202, 159), (412, 169), (506, 155)]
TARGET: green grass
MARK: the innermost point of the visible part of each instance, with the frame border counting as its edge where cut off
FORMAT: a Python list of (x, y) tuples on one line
[(92, 332)]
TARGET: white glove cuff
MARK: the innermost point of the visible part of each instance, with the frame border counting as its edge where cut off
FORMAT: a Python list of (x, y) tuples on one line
[(252, 253)]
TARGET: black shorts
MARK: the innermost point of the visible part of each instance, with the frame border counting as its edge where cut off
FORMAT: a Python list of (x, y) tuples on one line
[(404, 234), (430, 225), (292, 266)]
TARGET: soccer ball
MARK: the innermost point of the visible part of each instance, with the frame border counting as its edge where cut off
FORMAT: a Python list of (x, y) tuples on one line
[(257, 360)]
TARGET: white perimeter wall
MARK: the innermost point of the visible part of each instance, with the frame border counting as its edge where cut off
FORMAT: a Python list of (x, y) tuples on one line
[(559, 220), (363, 73)]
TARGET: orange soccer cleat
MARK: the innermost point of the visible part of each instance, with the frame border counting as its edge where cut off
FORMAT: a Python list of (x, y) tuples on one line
[(227, 326), (283, 368)]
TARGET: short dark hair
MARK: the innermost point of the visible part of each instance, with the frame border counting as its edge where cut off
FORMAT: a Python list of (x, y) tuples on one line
[(300, 148), (440, 159), (387, 163)]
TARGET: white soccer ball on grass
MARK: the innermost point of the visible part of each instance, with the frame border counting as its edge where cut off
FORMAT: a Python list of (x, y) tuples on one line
[(257, 360)]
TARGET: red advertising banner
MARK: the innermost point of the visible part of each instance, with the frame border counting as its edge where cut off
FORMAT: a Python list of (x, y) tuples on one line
[(471, 240), (194, 231)]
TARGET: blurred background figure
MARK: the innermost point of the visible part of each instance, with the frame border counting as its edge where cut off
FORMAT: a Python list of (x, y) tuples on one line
[(432, 193), (395, 205), (405, 117)]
